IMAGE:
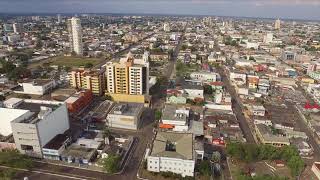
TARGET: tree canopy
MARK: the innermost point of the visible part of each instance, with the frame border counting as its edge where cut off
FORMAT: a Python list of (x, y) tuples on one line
[(252, 152), (111, 163)]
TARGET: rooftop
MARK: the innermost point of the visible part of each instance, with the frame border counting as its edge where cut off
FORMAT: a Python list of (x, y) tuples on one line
[(170, 113), (127, 109), (56, 142), (173, 145)]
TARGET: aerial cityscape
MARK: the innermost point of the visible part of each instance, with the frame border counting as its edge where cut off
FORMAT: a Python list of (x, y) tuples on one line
[(159, 95)]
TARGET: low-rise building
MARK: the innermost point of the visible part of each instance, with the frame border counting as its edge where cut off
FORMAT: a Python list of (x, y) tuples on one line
[(37, 86), (267, 137), (172, 152), (79, 100), (125, 116), (175, 118)]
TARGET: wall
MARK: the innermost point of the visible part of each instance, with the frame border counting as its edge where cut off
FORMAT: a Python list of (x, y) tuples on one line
[(178, 166), (128, 98), (55, 123), (26, 134)]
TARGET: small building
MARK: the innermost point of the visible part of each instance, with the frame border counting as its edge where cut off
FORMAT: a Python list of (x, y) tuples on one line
[(258, 110), (125, 116), (175, 118), (316, 169)]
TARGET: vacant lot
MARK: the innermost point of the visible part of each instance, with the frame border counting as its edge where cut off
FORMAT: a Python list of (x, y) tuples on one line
[(67, 61), (73, 61)]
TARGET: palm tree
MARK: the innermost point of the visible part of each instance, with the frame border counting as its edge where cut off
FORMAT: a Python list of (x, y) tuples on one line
[(106, 135)]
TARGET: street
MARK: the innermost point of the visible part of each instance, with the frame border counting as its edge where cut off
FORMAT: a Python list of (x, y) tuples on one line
[(237, 108)]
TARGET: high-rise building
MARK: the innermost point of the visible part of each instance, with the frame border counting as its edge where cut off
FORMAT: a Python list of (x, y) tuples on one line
[(75, 35), (166, 27), (268, 38), (277, 24), (129, 77), (17, 27), (59, 18), (93, 80)]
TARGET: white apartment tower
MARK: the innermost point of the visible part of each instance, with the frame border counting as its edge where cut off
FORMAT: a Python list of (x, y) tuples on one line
[(59, 18), (166, 27), (75, 35), (17, 27), (277, 24)]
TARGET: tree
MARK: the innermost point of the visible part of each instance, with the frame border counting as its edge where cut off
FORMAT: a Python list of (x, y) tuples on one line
[(158, 115), (205, 168), (207, 89), (216, 157), (111, 163), (88, 65)]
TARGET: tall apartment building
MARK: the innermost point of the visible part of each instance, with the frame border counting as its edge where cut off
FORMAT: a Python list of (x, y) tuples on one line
[(129, 77), (75, 35), (166, 27), (17, 27), (93, 80), (277, 24)]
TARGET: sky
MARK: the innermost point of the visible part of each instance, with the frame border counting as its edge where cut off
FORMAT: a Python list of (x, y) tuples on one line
[(292, 9)]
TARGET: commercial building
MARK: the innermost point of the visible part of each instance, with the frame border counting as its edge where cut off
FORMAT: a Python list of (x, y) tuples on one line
[(37, 86), (79, 100), (174, 118), (205, 77), (128, 81), (125, 116), (34, 123), (267, 137), (93, 80), (75, 35), (172, 152)]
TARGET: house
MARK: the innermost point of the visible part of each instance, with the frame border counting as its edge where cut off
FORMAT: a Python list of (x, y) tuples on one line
[(258, 110)]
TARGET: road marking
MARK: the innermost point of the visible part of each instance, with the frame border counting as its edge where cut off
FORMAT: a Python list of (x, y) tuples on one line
[(48, 173)]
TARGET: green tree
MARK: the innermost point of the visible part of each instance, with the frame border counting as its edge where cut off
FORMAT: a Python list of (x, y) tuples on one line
[(158, 114), (88, 65), (205, 168), (111, 163), (207, 89)]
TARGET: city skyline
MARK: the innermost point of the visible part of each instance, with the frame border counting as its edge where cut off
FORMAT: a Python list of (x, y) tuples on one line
[(285, 9)]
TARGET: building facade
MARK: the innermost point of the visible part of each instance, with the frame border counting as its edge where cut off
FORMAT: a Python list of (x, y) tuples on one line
[(93, 80), (75, 35)]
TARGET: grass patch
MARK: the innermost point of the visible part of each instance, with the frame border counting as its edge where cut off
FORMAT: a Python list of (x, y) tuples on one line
[(73, 61)]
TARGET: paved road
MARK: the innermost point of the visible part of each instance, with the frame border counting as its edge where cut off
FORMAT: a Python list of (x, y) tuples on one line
[(237, 108), (303, 127), (171, 67)]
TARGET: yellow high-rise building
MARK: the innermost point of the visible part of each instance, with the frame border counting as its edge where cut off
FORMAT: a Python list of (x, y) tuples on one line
[(128, 80)]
